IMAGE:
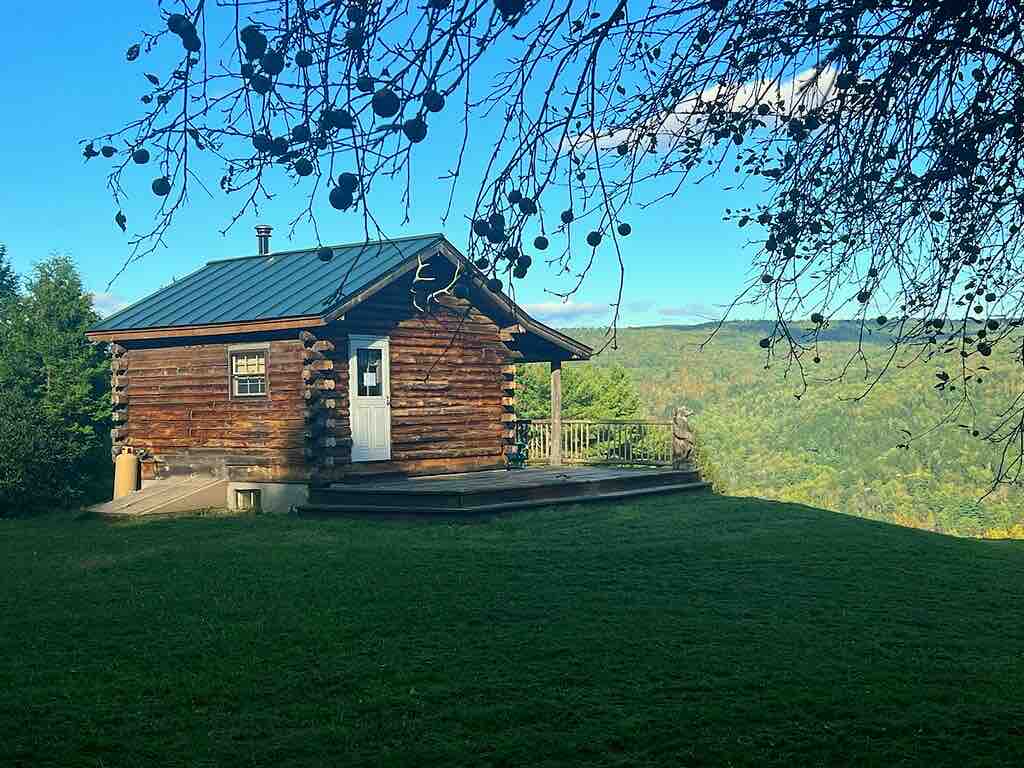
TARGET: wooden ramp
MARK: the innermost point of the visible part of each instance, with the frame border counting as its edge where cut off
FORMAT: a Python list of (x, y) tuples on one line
[(168, 497), (497, 490)]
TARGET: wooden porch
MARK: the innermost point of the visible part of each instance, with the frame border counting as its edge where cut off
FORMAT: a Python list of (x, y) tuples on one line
[(497, 490)]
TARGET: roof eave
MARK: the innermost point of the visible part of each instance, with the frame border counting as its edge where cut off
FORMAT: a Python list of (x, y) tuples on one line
[(214, 329)]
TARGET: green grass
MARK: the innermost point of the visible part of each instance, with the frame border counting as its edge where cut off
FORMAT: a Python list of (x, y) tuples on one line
[(673, 631)]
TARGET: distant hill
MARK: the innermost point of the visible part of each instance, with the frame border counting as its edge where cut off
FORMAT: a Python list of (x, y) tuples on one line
[(835, 330), (839, 330), (773, 433)]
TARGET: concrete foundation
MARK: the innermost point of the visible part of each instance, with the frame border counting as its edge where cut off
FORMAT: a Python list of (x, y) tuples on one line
[(274, 498)]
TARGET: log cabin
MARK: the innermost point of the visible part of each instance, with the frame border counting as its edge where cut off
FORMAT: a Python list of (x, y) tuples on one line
[(283, 370)]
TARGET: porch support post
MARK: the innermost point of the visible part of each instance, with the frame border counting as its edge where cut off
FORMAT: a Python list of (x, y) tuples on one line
[(556, 413)]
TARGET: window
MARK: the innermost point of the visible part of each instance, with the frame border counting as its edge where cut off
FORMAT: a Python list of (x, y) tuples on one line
[(249, 373), (368, 363)]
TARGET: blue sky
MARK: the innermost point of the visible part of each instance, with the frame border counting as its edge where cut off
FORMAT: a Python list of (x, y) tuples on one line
[(67, 81)]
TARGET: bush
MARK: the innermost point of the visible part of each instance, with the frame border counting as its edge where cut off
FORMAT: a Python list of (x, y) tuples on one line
[(44, 461)]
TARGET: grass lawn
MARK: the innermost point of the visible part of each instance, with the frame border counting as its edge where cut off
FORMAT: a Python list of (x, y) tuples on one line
[(688, 630)]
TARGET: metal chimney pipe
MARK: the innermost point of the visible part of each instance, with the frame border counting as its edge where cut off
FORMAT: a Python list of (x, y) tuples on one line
[(263, 238)]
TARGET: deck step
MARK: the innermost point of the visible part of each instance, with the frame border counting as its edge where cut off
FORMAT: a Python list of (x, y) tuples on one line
[(503, 492)]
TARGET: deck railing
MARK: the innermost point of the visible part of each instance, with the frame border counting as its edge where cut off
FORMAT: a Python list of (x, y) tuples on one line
[(625, 442)]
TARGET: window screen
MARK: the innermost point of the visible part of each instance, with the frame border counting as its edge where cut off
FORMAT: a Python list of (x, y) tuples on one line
[(249, 373), (369, 371)]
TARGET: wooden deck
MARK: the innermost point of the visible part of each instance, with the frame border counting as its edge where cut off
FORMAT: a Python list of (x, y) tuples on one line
[(496, 490)]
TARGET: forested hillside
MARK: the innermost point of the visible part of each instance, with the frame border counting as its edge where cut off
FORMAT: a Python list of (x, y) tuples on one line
[(824, 449)]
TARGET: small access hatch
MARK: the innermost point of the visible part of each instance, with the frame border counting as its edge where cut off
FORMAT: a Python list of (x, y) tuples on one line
[(247, 500)]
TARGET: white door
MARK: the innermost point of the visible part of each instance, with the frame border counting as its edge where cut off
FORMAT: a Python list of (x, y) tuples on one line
[(369, 393)]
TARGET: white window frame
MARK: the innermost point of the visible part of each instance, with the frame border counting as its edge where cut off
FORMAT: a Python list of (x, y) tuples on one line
[(236, 350)]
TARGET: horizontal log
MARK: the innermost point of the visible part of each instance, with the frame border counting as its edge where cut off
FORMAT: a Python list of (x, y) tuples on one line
[(269, 425), (117, 350), (254, 408), (118, 382), (345, 470), (119, 399), (307, 338), (474, 414), (199, 455), (425, 420), (446, 453), (275, 366), (232, 411), (418, 333), (424, 415), (423, 412), (283, 349), (508, 402), (224, 440), (257, 428), (450, 439), (429, 370), (205, 396), (216, 362), (292, 383)]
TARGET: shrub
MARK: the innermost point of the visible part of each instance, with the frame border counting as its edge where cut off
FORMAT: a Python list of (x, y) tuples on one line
[(44, 461)]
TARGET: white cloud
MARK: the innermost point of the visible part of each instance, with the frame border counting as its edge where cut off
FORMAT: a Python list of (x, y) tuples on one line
[(108, 303), (810, 88), (568, 311)]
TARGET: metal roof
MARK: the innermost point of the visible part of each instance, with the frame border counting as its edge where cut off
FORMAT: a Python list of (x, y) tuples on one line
[(275, 286)]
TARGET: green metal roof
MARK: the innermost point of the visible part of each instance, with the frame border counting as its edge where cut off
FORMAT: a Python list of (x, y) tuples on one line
[(275, 286)]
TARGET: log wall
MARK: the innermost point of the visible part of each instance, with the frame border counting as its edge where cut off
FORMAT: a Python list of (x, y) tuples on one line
[(450, 406), (174, 401), (452, 398)]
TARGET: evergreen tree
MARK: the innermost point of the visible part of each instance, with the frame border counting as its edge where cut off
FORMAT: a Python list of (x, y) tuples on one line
[(8, 279), (47, 356), (47, 362)]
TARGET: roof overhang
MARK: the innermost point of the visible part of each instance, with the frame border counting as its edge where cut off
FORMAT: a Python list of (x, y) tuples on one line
[(214, 329)]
